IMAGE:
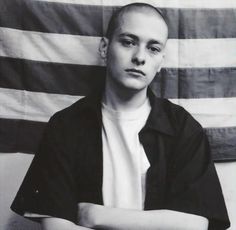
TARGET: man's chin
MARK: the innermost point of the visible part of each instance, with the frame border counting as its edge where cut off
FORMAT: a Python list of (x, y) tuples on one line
[(134, 86)]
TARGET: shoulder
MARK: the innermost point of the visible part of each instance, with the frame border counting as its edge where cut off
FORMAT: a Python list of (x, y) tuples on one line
[(189, 139), (68, 129), (181, 120), (81, 109), (73, 122)]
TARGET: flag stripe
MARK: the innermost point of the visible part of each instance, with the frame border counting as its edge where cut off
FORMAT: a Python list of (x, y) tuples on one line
[(21, 104), (157, 3), (50, 77), (196, 83), (47, 47), (76, 19), (222, 142), (217, 112), (24, 136), (20, 135), (81, 79), (83, 50), (18, 104)]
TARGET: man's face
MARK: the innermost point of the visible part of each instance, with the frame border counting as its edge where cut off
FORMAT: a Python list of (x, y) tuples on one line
[(136, 50)]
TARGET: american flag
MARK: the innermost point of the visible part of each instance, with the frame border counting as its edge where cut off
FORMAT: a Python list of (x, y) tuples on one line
[(49, 59)]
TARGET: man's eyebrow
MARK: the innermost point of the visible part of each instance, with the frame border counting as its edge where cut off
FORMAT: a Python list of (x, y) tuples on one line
[(152, 41), (128, 35)]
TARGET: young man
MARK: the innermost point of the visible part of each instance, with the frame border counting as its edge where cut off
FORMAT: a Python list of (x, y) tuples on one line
[(124, 159)]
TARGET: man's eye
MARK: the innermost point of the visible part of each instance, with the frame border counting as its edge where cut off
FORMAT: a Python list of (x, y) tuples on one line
[(127, 43), (155, 49)]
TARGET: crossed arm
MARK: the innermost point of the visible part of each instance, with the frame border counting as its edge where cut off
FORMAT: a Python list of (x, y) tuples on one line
[(92, 216)]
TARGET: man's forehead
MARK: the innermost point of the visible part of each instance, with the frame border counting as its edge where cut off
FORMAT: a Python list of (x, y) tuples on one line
[(141, 24)]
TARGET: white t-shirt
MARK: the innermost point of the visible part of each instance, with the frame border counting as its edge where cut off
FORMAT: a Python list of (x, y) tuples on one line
[(124, 161)]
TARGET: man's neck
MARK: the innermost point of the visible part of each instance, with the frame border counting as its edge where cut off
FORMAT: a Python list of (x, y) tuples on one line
[(123, 99)]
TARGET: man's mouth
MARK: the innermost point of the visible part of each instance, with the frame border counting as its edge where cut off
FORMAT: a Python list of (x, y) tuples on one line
[(135, 71)]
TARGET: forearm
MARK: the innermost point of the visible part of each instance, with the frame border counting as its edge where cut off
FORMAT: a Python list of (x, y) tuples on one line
[(150, 220), (119, 219), (52, 223)]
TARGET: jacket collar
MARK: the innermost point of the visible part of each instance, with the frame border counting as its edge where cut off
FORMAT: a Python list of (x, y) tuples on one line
[(158, 120)]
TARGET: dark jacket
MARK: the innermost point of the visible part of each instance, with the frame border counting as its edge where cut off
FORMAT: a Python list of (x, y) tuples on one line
[(68, 167)]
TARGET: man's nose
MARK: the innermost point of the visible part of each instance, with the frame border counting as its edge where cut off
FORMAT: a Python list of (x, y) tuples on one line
[(139, 56)]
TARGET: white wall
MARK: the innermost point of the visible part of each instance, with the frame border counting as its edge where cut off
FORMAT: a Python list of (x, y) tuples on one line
[(13, 167)]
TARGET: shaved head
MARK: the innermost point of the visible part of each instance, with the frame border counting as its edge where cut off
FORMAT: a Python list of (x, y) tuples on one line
[(115, 20)]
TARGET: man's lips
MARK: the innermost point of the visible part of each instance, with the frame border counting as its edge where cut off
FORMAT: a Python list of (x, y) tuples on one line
[(135, 71)]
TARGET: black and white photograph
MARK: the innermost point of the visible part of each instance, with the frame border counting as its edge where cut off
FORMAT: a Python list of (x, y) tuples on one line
[(117, 114)]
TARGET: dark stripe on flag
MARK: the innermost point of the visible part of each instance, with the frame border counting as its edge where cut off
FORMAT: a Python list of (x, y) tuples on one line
[(195, 83), (24, 136), (89, 20), (50, 77), (222, 142), (20, 135), (81, 80)]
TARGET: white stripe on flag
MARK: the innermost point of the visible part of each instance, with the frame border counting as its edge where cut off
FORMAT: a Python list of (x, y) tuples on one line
[(49, 47), (200, 53), (214, 4), (21, 104), (83, 50), (211, 112), (17, 104)]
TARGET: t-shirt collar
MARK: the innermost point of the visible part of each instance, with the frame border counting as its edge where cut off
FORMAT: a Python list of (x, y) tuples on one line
[(158, 119)]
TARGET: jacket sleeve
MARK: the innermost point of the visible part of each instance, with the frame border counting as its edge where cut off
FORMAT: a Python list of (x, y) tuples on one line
[(195, 187), (49, 185)]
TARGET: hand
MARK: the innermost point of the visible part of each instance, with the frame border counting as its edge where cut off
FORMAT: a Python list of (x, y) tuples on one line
[(87, 214)]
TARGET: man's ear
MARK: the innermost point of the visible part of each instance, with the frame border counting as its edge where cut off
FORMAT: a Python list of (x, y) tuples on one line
[(103, 46)]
